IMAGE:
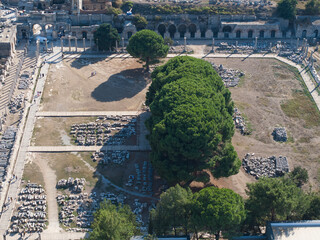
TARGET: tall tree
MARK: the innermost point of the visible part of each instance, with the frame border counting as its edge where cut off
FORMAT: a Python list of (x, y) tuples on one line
[(172, 211), (299, 176), (274, 199), (215, 210), (287, 9), (112, 222), (148, 46), (106, 36)]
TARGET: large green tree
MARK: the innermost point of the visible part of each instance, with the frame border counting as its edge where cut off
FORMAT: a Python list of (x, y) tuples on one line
[(299, 176), (287, 9), (274, 199), (148, 46), (172, 211), (105, 37), (191, 124), (113, 222), (215, 210)]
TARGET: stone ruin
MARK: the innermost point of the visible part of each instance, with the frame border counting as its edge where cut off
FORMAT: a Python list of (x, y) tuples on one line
[(230, 77), (110, 130), (75, 185), (265, 167), (31, 216), (108, 157), (279, 134), (24, 81), (16, 103), (240, 122), (6, 145)]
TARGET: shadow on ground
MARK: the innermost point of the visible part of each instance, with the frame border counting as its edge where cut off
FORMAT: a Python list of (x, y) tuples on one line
[(125, 84)]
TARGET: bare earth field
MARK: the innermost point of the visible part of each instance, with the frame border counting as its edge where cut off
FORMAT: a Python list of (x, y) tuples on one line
[(119, 84), (271, 95)]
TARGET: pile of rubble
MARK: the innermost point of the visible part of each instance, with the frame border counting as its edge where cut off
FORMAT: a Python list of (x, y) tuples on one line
[(230, 77), (279, 134), (179, 49), (240, 123), (24, 81), (116, 157), (31, 216), (16, 103), (110, 130), (295, 57), (265, 167), (6, 145), (75, 185)]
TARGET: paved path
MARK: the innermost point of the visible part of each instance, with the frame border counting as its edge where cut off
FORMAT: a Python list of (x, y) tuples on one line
[(87, 113), (88, 148)]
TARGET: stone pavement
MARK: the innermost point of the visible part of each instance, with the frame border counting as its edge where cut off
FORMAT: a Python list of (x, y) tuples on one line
[(87, 113), (88, 148)]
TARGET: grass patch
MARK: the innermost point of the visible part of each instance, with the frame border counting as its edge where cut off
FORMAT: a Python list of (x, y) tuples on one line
[(303, 108), (32, 173), (86, 156), (69, 165)]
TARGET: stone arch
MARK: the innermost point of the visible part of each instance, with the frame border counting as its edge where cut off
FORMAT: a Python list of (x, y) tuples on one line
[(182, 29), (304, 34), (192, 29), (172, 30), (24, 33), (49, 29), (84, 34), (250, 33), (36, 29), (238, 34), (203, 29), (162, 29), (129, 34), (261, 34), (227, 29), (273, 33), (316, 33)]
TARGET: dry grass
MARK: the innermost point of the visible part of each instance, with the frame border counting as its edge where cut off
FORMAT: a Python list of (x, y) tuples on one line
[(32, 173)]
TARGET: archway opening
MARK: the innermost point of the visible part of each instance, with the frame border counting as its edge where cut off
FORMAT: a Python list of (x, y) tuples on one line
[(238, 34), (24, 33), (250, 34), (192, 30), (273, 33), (172, 30), (162, 29), (226, 30), (84, 34), (261, 34), (129, 34), (36, 29), (316, 33), (182, 29), (304, 34)]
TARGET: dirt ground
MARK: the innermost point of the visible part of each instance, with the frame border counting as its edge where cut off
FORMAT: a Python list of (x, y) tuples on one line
[(269, 96), (58, 128), (117, 85)]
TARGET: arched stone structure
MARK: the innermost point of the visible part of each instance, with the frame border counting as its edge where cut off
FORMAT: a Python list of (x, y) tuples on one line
[(192, 29), (172, 31), (182, 29), (162, 30)]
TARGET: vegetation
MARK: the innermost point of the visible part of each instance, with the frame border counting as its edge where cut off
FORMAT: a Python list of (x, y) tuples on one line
[(148, 46), (168, 41), (126, 6), (275, 199), (117, 3), (312, 7), (105, 37), (112, 222), (299, 176), (191, 124), (287, 9), (210, 210), (140, 22)]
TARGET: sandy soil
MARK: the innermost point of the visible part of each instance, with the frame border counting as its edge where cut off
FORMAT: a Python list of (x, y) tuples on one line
[(119, 84), (267, 85)]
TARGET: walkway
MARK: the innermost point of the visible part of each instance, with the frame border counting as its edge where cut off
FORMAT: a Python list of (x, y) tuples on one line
[(87, 114), (88, 148)]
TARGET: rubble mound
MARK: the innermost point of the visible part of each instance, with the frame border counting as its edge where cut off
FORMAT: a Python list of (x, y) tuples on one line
[(75, 185), (230, 77), (279, 134), (265, 167)]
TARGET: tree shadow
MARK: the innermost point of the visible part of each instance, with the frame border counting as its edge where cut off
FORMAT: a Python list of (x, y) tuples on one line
[(125, 84)]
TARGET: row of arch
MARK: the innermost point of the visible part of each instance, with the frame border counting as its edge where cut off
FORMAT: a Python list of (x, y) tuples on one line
[(315, 34)]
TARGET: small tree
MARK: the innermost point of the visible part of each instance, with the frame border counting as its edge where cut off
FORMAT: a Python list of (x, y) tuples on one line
[(215, 210), (112, 222), (126, 6), (299, 176), (140, 22), (287, 9), (312, 7), (148, 46), (106, 36), (117, 3)]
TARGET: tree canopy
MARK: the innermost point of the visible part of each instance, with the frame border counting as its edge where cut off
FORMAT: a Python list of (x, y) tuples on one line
[(299, 176), (112, 222), (275, 199), (106, 36), (148, 46), (287, 9), (140, 22), (312, 7), (191, 124)]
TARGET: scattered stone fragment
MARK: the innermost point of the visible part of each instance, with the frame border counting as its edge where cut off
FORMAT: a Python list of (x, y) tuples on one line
[(279, 134)]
